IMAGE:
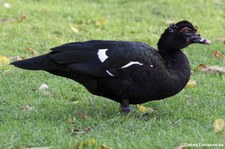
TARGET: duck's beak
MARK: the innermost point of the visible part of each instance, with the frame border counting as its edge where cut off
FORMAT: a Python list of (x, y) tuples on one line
[(196, 38)]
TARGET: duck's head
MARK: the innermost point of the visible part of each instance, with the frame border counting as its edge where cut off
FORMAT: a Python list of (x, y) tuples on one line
[(178, 36)]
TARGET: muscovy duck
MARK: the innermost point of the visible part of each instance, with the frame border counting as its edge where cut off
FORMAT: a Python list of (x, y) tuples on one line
[(126, 72)]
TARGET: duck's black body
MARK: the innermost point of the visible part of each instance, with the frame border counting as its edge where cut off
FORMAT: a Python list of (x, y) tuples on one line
[(126, 72)]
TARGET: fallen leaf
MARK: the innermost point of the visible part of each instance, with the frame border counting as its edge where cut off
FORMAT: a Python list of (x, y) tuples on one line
[(213, 69), (74, 29), (191, 84), (21, 19), (218, 54), (210, 69), (79, 131), (4, 60), (7, 5), (200, 66), (31, 50), (7, 19), (90, 143), (144, 109), (103, 146), (43, 86), (101, 22), (27, 108), (218, 125)]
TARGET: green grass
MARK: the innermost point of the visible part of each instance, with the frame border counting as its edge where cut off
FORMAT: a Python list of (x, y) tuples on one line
[(65, 106)]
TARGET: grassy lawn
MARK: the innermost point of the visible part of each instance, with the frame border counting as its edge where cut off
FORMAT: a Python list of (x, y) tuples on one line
[(65, 114)]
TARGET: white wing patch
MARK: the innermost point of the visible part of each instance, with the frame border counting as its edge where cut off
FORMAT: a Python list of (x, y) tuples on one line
[(131, 63), (109, 73), (102, 55)]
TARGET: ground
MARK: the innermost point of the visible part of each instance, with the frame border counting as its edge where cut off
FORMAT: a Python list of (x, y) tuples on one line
[(65, 115)]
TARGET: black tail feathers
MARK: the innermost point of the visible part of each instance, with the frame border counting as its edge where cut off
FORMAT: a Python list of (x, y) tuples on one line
[(42, 62)]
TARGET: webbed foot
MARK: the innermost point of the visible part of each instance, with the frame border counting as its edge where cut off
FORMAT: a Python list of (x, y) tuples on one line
[(124, 106)]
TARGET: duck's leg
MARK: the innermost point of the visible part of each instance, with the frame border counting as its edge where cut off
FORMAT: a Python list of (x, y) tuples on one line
[(124, 106)]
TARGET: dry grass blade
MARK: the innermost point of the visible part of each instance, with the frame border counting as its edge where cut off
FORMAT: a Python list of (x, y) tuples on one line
[(44, 147), (103, 146), (74, 29)]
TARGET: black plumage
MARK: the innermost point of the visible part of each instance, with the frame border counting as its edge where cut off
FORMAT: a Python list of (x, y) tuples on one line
[(126, 72)]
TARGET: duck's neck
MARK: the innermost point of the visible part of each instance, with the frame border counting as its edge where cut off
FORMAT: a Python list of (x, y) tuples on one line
[(178, 70), (177, 61)]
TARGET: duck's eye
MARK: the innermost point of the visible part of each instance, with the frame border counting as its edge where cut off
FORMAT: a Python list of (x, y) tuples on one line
[(186, 30)]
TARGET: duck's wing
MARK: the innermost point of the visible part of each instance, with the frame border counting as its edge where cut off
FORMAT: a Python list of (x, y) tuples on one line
[(101, 58)]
